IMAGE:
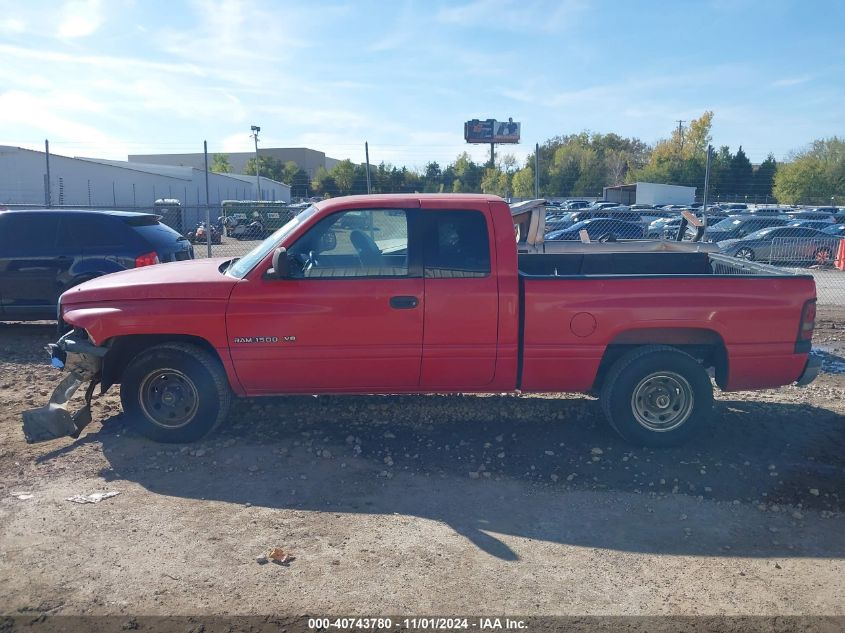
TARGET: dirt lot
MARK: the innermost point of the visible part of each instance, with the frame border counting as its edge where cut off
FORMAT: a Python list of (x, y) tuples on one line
[(426, 505)]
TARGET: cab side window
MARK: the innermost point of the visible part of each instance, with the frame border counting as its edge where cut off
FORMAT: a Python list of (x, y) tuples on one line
[(456, 245), (359, 243)]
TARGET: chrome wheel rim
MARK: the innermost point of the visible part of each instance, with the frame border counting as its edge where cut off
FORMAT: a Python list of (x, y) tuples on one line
[(745, 253), (168, 398), (662, 401)]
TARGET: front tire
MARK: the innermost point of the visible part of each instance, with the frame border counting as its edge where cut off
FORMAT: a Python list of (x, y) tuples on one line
[(657, 396), (175, 392)]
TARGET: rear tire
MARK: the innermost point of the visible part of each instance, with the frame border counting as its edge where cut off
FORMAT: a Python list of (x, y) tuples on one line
[(745, 253), (175, 392), (657, 396)]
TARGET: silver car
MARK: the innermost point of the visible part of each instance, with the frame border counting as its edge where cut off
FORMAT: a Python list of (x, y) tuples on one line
[(784, 245)]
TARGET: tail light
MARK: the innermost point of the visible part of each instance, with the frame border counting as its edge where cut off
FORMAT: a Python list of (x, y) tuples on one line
[(147, 259), (805, 330)]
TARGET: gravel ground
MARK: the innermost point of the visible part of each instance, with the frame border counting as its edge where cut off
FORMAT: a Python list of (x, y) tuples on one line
[(427, 505)]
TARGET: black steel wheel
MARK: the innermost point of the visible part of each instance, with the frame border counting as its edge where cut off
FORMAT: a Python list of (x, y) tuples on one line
[(657, 396), (175, 392)]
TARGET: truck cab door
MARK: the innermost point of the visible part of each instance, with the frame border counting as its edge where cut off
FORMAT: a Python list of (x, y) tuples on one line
[(461, 296), (348, 318)]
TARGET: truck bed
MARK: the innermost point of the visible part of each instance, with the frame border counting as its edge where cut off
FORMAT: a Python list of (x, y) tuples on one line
[(576, 305)]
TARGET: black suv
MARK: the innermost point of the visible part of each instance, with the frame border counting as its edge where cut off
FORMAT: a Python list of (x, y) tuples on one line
[(43, 252)]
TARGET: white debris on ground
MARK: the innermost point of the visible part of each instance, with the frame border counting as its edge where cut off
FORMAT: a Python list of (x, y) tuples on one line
[(93, 498)]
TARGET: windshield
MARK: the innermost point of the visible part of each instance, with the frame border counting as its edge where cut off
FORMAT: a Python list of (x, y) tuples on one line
[(835, 229), (727, 223), (246, 263)]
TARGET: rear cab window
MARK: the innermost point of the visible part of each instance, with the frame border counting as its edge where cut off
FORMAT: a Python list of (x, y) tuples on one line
[(456, 244)]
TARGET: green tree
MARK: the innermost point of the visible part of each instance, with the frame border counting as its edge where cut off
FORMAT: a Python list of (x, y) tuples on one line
[(468, 173), (343, 174), (740, 174), (323, 184), (495, 182), (299, 184), (220, 164), (681, 159), (523, 183), (271, 168), (814, 175), (764, 178)]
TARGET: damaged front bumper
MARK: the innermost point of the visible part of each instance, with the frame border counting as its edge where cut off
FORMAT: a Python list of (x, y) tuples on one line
[(83, 360)]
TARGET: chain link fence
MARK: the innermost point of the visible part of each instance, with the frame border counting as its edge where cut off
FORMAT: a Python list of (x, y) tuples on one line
[(783, 238)]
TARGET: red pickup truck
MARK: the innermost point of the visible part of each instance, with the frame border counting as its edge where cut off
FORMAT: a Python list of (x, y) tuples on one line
[(424, 294)]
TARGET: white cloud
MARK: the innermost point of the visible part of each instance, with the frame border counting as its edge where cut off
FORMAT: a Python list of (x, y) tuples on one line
[(510, 15), (12, 25), (786, 82), (80, 18), (32, 114)]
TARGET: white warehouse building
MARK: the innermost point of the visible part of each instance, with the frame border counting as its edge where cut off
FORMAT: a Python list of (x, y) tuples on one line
[(94, 182), (650, 193)]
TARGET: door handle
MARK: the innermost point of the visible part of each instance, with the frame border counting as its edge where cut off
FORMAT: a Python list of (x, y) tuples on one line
[(404, 303)]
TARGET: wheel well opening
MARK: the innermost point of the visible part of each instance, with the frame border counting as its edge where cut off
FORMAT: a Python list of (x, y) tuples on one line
[(706, 346), (123, 349)]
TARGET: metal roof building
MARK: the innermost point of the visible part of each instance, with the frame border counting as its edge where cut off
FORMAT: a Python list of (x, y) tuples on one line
[(95, 182), (308, 159)]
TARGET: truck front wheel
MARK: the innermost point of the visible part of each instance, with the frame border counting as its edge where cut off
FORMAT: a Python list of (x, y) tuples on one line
[(657, 396), (175, 392)]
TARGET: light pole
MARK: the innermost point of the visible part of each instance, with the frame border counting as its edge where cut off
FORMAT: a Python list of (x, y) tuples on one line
[(255, 130)]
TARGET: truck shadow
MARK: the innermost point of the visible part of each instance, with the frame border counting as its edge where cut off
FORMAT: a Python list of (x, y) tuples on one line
[(762, 482)]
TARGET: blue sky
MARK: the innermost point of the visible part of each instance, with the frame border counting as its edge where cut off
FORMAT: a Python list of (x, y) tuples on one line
[(112, 77)]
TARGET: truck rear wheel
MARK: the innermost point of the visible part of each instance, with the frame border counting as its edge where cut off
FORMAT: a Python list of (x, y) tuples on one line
[(657, 396), (175, 392)]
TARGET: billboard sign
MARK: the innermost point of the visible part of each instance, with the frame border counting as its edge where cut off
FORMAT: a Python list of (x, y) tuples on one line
[(491, 131)]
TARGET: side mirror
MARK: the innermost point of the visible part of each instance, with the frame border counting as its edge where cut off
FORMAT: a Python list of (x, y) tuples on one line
[(280, 269)]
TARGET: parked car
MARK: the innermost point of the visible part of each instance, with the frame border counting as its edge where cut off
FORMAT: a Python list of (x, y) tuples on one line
[(599, 228), (576, 204), (783, 245), (670, 229), (778, 211), (45, 252), (823, 216), (835, 229), (819, 225), (445, 304), (738, 226), (599, 206)]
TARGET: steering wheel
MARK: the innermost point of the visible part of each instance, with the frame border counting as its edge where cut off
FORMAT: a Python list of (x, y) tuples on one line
[(307, 261), (368, 253)]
